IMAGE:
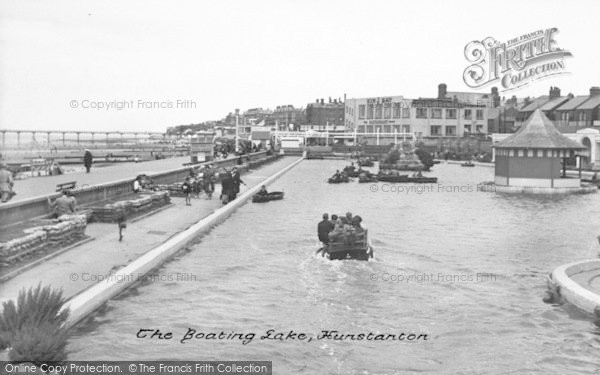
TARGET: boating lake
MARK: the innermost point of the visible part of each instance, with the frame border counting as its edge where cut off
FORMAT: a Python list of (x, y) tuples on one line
[(467, 268)]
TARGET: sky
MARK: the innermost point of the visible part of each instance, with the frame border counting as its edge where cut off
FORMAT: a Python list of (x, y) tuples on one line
[(61, 60)]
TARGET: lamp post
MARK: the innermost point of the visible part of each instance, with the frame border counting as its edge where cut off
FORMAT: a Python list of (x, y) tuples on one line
[(237, 130)]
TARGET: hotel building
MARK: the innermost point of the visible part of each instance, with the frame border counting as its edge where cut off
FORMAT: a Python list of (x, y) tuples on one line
[(440, 117)]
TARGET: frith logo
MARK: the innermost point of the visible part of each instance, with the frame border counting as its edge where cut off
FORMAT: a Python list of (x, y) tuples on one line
[(514, 63)]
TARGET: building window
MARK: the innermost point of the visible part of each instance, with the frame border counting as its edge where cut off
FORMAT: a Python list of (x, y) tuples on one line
[(387, 128), (530, 153), (479, 128), (369, 128), (451, 113), (370, 111), (520, 153), (361, 111), (467, 128), (406, 112), (436, 113), (450, 131), (468, 114), (436, 130), (396, 128), (479, 114), (540, 153), (511, 153), (378, 111), (406, 128), (421, 112), (397, 110), (387, 110), (361, 128)]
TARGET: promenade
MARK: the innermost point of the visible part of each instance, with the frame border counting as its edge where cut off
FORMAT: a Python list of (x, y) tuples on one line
[(46, 185), (80, 267)]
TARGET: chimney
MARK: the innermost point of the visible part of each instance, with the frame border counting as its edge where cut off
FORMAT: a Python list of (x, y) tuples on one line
[(322, 101), (495, 97), (330, 99), (554, 92), (442, 91), (595, 90)]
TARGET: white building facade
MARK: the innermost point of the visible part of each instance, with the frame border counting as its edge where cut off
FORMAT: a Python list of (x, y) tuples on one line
[(423, 117)]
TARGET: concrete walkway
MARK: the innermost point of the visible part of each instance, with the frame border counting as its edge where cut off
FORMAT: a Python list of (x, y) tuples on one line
[(46, 185), (83, 266)]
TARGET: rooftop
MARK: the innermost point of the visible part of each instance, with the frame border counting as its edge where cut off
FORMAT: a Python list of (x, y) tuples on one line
[(591, 104), (536, 103), (573, 103), (539, 132)]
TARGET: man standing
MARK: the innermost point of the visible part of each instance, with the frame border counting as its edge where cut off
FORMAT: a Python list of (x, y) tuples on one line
[(227, 189), (87, 160), (208, 182), (324, 228), (236, 182), (6, 183)]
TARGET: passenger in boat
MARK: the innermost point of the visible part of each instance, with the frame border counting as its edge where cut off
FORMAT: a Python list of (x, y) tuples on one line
[(262, 191), (338, 231), (323, 229), (333, 220), (336, 176), (356, 220), (347, 220)]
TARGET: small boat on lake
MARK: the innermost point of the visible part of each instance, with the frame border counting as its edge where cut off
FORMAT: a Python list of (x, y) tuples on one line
[(354, 246), (467, 164), (272, 196)]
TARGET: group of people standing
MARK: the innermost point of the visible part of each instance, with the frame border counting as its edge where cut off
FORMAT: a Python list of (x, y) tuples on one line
[(205, 181), (230, 185), (197, 182), (337, 228)]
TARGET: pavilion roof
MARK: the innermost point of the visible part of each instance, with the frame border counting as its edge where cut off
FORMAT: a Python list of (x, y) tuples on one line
[(538, 132)]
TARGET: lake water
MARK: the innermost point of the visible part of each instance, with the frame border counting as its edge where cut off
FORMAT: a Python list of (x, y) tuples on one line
[(466, 268)]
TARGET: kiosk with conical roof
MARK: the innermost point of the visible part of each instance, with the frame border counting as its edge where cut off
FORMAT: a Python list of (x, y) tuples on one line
[(530, 159)]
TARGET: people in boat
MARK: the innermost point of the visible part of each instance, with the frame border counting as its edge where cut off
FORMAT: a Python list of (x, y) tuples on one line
[(263, 191), (323, 229), (356, 220), (333, 220), (338, 231), (350, 168), (336, 176), (347, 220), (417, 174)]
